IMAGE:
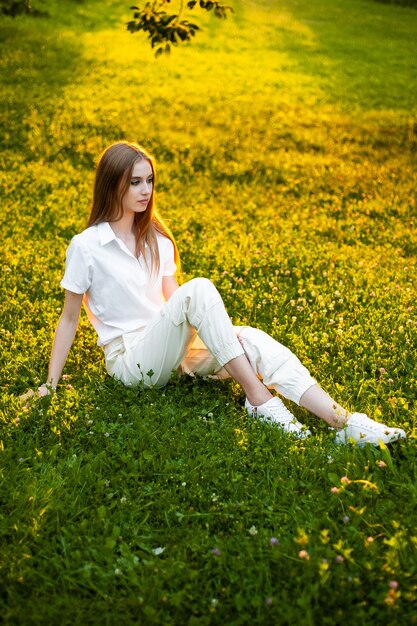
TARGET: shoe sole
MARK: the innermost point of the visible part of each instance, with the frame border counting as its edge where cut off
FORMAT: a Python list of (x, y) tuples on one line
[(362, 442), (297, 433)]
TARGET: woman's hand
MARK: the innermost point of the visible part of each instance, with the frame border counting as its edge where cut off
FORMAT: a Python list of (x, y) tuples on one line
[(45, 390), (27, 395), (42, 391), (64, 336)]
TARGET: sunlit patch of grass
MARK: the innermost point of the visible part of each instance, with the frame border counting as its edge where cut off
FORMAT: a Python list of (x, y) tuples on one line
[(286, 145)]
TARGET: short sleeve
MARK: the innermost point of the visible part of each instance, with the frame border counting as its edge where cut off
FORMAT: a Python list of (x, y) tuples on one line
[(78, 268), (168, 263)]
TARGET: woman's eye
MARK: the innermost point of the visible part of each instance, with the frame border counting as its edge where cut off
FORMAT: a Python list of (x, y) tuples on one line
[(135, 183)]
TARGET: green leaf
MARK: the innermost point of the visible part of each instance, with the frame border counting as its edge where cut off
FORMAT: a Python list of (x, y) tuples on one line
[(101, 512), (334, 478), (386, 455)]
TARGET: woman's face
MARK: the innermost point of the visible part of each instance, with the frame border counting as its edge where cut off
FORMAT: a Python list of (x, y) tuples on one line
[(139, 191)]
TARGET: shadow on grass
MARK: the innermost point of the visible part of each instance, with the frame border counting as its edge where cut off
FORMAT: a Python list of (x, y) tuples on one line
[(36, 65), (359, 54)]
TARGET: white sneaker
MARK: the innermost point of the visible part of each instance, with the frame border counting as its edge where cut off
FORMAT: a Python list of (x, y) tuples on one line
[(362, 429), (274, 411)]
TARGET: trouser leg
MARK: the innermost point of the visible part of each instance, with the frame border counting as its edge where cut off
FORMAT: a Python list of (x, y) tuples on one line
[(196, 307), (278, 367)]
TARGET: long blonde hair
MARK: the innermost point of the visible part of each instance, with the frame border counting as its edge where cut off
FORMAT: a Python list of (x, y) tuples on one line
[(114, 171)]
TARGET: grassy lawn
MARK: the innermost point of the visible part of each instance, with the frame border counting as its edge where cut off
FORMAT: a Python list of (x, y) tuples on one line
[(286, 140)]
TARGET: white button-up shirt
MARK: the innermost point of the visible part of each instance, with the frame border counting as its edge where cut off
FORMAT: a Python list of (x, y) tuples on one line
[(120, 296)]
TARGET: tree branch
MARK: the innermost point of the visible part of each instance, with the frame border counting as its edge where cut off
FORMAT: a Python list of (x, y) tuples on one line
[(167, 29)]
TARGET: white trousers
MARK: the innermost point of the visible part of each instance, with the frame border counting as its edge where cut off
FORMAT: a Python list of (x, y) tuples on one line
[(192, 333)]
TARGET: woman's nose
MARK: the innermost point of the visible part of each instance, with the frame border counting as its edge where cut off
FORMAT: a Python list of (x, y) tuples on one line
[(145, 187)]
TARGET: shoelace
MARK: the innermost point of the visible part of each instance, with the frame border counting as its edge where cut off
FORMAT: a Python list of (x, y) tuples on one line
[(282, 413)]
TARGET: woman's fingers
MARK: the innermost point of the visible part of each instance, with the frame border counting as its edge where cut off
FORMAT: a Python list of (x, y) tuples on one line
[(27, 395), (42, 391)]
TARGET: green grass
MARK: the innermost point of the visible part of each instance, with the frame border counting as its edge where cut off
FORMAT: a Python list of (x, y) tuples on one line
[(286, 142)]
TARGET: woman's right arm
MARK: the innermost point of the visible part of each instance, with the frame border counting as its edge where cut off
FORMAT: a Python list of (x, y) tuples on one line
[(64, 336)]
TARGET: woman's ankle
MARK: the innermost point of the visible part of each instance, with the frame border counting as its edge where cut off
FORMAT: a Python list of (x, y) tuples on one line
[(339, 419), (259, 397)]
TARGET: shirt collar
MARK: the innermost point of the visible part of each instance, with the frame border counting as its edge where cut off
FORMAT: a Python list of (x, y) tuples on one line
[(105, 233)]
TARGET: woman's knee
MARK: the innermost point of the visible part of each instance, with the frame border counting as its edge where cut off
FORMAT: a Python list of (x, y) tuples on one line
[(203, 287), (201, 282), (247, 332)]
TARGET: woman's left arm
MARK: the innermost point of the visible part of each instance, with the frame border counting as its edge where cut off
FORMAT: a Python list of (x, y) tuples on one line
[(169, 285)]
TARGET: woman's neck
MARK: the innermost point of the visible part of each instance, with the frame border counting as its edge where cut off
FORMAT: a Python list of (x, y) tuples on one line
[(123, 228)]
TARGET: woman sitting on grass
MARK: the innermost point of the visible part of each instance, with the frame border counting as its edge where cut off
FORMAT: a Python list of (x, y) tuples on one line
[(122, 267)]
